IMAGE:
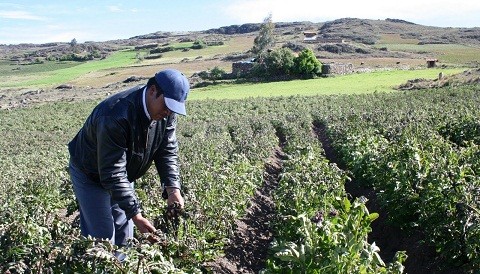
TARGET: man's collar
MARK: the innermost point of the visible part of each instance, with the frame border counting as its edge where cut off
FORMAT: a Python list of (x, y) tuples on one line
[(145, 103)]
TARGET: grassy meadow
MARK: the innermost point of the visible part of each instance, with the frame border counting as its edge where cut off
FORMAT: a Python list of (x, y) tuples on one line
[(380, 81), (449, 54), (51, 73), (41, 75)]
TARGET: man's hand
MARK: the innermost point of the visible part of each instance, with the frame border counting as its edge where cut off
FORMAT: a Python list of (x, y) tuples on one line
[(144, 226), (175, 203), (174, 195)]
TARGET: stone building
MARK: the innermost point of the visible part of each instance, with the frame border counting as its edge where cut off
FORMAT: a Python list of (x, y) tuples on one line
[(337, 68)]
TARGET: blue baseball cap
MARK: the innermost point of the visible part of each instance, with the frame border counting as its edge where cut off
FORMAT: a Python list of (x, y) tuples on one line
[(175, 88)]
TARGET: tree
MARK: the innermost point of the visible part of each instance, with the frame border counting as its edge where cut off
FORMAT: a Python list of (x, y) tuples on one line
[(278, 62), (265, 38), (73, 43), (139, 57), (307, 64)]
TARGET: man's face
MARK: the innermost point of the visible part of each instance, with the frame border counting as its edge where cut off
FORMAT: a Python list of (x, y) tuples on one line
[(156, 105)]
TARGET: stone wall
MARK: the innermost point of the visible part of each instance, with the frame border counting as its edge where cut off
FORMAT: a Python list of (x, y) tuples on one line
[(337, 68), (242, 68)]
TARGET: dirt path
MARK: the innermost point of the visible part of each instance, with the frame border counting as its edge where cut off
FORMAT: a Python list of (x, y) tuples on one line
[(421, 257), (248, 250)]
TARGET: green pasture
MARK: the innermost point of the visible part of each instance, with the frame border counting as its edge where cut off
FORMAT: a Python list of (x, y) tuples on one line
[(445, 53), (51, 73), (8, 68), (230, 46), (380, 81)]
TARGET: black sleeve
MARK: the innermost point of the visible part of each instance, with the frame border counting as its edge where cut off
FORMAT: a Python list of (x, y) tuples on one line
[(166, 157), (112, 163)]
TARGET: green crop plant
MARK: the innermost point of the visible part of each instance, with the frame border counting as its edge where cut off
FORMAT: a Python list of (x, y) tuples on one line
[(418, 150)]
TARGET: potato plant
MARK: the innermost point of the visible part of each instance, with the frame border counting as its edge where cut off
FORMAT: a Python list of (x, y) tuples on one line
[(421, 156), (418, 150)]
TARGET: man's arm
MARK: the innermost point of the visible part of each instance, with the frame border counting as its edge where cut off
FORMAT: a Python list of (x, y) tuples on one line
[(166, 162)]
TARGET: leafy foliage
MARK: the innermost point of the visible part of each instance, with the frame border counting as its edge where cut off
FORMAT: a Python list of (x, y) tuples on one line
[(265, 38), (417, 149), (277, 62), (199, 44), (307, 64)]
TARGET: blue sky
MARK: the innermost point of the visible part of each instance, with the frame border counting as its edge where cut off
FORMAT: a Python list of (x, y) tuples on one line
[(29, 21)]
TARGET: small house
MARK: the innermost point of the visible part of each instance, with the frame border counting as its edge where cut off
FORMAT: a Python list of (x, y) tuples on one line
[(310, 36), (431, 63)]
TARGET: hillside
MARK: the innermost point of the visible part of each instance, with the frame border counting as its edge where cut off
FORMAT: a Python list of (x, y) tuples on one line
[(366, 44), (367, 31)]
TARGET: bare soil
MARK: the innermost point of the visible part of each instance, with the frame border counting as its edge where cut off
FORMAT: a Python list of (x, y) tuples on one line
[(248, 250)]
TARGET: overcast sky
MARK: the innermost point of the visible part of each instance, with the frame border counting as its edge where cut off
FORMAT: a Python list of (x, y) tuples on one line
[(29, 21)]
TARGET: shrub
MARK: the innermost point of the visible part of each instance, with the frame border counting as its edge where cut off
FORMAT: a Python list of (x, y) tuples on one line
[(153, 56), (214, 74), (162, 49), (277, 62), (307, 64), (75, 57), (199, 44)]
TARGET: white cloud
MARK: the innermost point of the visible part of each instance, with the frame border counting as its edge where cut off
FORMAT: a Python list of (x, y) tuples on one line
[(114, 9), (34, 33), (11, 5), (20, 15), (252, 11)]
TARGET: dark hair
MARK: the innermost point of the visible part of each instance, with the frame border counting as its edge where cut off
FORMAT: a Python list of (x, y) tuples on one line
[(151, 82)]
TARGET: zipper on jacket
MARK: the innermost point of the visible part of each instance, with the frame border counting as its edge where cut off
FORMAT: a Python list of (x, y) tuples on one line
[(146, 140), (152, 124)]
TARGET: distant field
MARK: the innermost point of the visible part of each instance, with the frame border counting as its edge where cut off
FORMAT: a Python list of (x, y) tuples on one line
[(122, 64), (52, 73), (8, 68), (55, 73), (381, 81), (446, 53), (235, 44)]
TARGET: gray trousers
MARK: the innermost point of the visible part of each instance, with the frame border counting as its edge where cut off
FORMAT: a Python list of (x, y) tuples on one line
[(100, 217)]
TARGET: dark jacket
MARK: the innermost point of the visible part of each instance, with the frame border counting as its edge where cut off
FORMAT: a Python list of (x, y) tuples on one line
[(118, 143)]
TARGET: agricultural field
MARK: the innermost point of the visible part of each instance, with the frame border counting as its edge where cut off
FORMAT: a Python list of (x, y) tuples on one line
[(376, 171), (288, 158), (448, 54)]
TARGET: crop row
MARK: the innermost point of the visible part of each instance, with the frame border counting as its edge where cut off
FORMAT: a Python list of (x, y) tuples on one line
[(418, 150), (318, 228), (422, 157)]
